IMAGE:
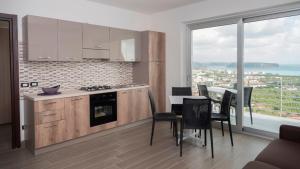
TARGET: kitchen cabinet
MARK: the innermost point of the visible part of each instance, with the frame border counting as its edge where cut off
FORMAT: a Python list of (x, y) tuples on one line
[(125, 45), (151, 69), (50, 133), (156, 46), (53, 121), (157, 82), (77, 116), (123, 107), (133, 105), (95, 37), (95, 54), (141, 102), (69, 41), (49, 122), (95, 41), (41, 38)]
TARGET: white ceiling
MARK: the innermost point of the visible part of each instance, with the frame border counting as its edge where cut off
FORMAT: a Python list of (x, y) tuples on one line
[(147, 6)]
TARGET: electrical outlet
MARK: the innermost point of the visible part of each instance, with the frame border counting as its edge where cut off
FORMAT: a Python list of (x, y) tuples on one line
[(34, 84), (23, 127), (23, 85)]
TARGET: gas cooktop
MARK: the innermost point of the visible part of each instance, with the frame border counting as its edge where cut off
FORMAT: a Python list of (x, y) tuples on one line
[(95, 88)]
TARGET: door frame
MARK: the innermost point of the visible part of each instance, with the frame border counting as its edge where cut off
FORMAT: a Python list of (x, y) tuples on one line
[(14, 78)]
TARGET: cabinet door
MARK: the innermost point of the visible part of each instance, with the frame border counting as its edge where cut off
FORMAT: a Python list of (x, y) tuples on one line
[(50, 133), (77, 116), (141, 111), (125, 45), (95, 54), (69, 41), (156, 46), (157, 83), (123, 107), (95, 37), (41, 38)]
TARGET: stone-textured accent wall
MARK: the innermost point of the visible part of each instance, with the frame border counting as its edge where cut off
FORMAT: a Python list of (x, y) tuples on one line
[(72, 75)]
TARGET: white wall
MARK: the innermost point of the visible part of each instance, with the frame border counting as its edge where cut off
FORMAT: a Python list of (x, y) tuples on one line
[(172, 23), (74, 10)]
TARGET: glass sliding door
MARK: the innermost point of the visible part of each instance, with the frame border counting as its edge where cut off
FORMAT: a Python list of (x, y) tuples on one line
[(214, 60), (272, 68)]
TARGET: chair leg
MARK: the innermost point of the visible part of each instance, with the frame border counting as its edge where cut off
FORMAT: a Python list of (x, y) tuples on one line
[(199, 136), (222, 126), (171, 125), (211, 142), (176, 132), (230, 132), (181, 136), (152, 132), (205, 138), (250, 109)]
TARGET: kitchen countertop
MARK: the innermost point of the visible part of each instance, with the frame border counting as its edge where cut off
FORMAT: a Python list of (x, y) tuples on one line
[(74, 93)]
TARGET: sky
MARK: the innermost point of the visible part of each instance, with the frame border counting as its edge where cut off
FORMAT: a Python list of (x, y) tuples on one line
[(268, 41)]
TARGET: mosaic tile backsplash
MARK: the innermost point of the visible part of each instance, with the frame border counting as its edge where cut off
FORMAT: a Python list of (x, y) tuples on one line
[(72, 75)]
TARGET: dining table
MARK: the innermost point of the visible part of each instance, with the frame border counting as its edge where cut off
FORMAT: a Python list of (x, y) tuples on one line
[(220, 90), (178, 100)]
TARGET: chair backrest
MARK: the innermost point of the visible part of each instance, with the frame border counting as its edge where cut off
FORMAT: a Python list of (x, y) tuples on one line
[(247, 95), (152, 103), (202, 89), (196, 113), (226, 102), (181, 91), (235, 86)]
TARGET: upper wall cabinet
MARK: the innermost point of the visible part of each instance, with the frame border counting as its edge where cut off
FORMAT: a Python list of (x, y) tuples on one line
[(41, 37), (125, 45), (95, 41), (69, 41), (52, 40)]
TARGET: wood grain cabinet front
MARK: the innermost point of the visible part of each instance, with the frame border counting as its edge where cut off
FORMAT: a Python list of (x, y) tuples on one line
[(50, 133), (77, 116), (133, 105)]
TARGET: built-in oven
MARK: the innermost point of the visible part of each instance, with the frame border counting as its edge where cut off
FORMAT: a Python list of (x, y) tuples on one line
[(103, 108)]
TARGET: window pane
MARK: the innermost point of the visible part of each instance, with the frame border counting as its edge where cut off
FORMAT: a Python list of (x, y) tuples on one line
[(272, 67)]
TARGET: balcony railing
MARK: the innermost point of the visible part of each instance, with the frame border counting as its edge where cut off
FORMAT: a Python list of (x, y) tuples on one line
[(274, 95)]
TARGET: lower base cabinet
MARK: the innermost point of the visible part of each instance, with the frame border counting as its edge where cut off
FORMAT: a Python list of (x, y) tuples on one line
[(54, 121), (50, 133), (133, 105), (77, 116)]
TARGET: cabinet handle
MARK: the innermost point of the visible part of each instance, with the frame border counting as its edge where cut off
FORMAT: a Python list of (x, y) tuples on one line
[(44, 57), (52, 114), (50, 103), (50, 126), (76, 99), (99, 46)]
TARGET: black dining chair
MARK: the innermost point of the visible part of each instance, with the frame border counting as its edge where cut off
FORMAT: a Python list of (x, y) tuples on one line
[(202, 89), (247, 100), (180, 91), (224, 114), (196, 114), (161, 117)]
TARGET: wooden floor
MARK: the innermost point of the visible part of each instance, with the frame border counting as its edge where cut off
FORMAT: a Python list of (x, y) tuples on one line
[(130, 149), (5, 138)]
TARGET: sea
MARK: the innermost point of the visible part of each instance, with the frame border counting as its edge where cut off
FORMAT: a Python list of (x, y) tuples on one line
[(282, 69)]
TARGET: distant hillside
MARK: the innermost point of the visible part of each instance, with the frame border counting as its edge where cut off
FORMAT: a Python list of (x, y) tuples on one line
[(231, 65)]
